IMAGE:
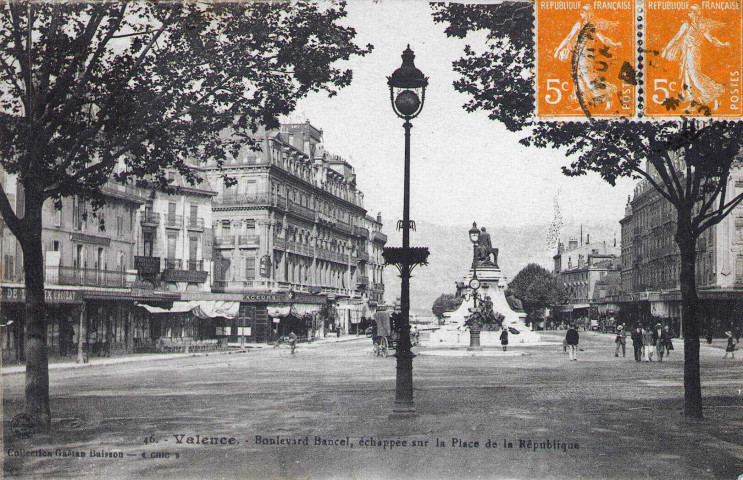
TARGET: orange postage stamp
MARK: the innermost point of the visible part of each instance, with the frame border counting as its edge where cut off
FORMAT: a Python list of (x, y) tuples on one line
[(586, 57), (693, 58)]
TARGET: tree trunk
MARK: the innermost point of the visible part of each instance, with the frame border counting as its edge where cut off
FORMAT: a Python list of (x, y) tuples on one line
[(37, 362), (690, 324)]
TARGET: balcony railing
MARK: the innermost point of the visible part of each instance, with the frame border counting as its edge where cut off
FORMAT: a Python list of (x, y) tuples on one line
[(344, 227), (192, 273), (248, 240), (237, 200), (362, 256), (173, 263), (195, 223), (224, 241), (300, 210), (150, 218), (362, 280), (173, 221), (361, 232), (89, 277), (379, 237)]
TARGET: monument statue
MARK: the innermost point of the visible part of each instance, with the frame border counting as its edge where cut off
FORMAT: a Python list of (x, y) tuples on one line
[(484, 250)]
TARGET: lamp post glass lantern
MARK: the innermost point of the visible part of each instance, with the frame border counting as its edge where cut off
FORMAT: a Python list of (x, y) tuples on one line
[(407, 95)]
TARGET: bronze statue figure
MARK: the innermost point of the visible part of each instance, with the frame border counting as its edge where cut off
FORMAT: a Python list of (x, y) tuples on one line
[(484, 249)]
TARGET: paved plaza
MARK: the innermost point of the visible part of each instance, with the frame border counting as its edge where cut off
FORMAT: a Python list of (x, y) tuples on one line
[(322, 413)]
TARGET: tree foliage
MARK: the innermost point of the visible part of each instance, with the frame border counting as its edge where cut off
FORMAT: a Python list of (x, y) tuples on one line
[(537, 288), (125, 91), (152, 83), (445, 303), (687, 160)]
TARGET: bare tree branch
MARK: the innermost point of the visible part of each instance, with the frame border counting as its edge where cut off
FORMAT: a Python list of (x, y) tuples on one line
[(104, 110), (720, 213), (655, 184), (13, 222)]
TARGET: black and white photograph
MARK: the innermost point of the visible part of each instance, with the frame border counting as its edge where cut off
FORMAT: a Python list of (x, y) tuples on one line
[(371, 239)]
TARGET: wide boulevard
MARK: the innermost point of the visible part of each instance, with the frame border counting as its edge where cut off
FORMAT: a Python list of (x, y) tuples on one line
[(323, 413)]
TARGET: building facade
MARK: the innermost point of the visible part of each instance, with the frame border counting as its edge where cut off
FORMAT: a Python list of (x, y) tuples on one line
[(288, 247), (89, 271), (293, 223), (377, 241), (580, 267), (651, 262)]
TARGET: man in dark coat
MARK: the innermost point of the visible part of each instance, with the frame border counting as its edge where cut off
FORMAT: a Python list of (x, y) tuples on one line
[(572, 340), (637, 343)]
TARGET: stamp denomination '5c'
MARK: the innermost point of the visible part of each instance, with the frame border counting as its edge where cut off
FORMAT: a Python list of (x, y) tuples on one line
[(585, 59), (693, 58)]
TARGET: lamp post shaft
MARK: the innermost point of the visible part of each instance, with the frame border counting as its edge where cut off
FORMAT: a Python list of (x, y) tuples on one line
[(404, 385), (474, 327)]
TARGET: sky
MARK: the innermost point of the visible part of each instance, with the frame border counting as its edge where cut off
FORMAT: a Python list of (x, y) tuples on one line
[(464, 167)]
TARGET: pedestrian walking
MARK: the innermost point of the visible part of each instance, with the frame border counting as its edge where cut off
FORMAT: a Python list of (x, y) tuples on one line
[(709, 335), (731, 345), (637, 343), (504, 338), (736, 334), (572, 339), (668, 340), (108, 342), (647, 344), (660, 341), (621, 341)]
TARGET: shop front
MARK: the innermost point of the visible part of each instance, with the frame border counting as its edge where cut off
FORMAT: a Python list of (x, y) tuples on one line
[(270, 316), (62, 312)]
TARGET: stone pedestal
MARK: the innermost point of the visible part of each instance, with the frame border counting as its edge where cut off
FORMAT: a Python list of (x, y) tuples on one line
[(474, 338), (493, 284)]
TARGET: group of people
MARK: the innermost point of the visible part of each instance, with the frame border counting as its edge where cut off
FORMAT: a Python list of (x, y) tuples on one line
[(646, 342)]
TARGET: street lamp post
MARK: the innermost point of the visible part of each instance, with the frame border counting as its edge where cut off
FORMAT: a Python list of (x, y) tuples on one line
[(407, 95), (474, 285)]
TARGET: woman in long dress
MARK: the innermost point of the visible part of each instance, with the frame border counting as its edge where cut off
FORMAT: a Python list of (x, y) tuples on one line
[(686, 48), (591, 83)]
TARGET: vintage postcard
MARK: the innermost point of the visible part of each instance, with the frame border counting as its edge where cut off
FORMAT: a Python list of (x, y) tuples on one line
[(372, 239)]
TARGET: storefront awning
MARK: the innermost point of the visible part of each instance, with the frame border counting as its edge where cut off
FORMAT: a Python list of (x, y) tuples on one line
[(279, 311), (203, 309), (301, 309)]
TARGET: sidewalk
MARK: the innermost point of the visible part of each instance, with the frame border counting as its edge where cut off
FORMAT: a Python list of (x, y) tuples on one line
[(133, 357), (147, 357)]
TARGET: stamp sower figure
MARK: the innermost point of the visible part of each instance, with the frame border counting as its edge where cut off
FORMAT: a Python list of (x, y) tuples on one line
[(686, 48), (572, 339), (590, 82)]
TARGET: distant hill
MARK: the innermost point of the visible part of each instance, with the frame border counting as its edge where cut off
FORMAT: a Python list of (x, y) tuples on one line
[(451, 255)]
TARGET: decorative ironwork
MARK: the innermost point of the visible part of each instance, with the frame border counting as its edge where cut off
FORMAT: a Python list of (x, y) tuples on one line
[(398, 257), (401, 224)]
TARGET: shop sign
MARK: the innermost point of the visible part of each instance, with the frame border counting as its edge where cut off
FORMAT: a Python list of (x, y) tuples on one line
[(286, 297), (50, 296), (94, 239)]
